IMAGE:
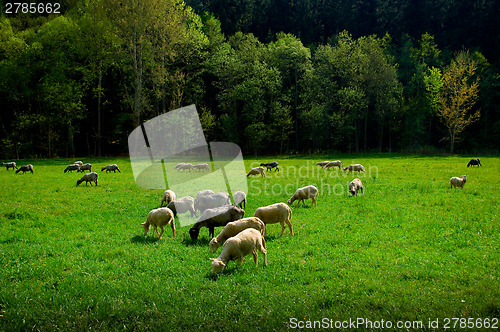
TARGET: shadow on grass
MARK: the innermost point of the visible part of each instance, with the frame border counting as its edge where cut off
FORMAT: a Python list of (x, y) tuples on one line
[(200, 242), (226, 272), (141, 239)]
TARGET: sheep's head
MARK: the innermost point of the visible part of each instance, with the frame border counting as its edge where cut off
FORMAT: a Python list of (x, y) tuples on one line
[(237, 212), (217, 265), (291, 200), (464, 177), (146, 227), (194, 232), (213, 245)]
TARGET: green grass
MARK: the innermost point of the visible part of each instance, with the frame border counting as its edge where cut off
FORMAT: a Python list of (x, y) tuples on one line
[(75, 258)]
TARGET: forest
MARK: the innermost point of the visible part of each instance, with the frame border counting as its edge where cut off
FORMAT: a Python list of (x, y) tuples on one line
[(275, 77)]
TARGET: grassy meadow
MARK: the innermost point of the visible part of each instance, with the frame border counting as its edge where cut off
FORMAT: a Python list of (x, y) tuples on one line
[(408, 249)]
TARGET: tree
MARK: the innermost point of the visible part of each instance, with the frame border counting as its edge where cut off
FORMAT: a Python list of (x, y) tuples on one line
[(457, 96)]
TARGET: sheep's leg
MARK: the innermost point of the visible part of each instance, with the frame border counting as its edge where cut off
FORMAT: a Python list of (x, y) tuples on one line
[(289, 226), (172, 223), (240, 260), (255, 258), (264, 252), (314, 201), (211, 231), (282, 228), (162, 230)]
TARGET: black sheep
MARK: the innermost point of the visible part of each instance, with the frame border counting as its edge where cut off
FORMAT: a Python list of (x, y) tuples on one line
[(216, 217), (473, 162), (271, 165)]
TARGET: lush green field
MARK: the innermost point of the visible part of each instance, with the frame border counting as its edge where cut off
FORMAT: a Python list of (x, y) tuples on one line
[(74, 258)]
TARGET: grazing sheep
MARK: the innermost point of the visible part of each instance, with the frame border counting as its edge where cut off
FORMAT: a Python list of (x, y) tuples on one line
[(270, 166), (240, 199), (89, 177), (335, 163), (182, 205), (257, 170), (25, 168), (239, 246), (10, 165), (322, 163), (159, 218), (168, 196), (201, 167), (356, 167), (304, 193), (216, 217), (184, 167), (85, 167), (275, 213), (354, 186), (109, 168), (80, 163), (178, 165), (458, 182), (211, 201), (235, 227), (70, 168), (204, 193), (474, 162)]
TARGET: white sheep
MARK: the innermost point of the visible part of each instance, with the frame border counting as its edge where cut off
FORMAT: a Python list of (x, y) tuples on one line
[(184, 167), (322, 163), (80, 163), (240, 198), (354, 186), (235, 227), (257, 170), (237, 247), (70, 168), (109, 168), (159, 218), (182, 205), (10, 165), (211, 201), (276, 213), (201, 167), (85, 167), (308, 192), (178, 165), (336, 163), (355, 168), (204, 193), (458, 182), (89, 177), (168, 196)]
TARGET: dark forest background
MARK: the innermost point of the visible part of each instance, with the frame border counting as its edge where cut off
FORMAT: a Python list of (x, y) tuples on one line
[(275, 77)]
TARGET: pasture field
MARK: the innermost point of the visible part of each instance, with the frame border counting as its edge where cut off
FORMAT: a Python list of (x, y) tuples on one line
[(408, 249)]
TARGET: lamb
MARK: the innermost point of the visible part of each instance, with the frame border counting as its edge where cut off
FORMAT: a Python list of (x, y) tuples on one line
[(271, 165), (159, 218), (111, 167), (85, 167), (474, 162), (257, 170), (168, 196), (275, 213), (354, 186), (89, 177), (335, 163), (235, 227), (322, 163), (184, 167), (211, 201), (201, 167), (216, 217), (304, 193), (80, 163), (10, 165), (204, 193), (70, 168), (182, 205), (25, 168), (458, 182), (239, 246), (240, 199), (356, 167)]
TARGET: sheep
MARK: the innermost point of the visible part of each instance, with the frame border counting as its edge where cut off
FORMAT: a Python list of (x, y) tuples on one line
[(178, 165), (159, 218), (167, 197), (322, 163), (275, 213), (474, 162), (182, 205), (257, 170), (356, 167), (216, 217), (111, 167), (201, 167), (458, 182), (80, 163), (235, 227), (70, 168), (188, 167), (354, 186), (239, 246), (85, 167), (271, 165), (204, 193), (335, 163), (89, 177), (211, 201), (10, 165), (240, 199), (304, 193), (25, 168)]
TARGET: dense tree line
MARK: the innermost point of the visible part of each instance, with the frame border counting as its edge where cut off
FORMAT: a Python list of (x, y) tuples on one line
[(78, 83)]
